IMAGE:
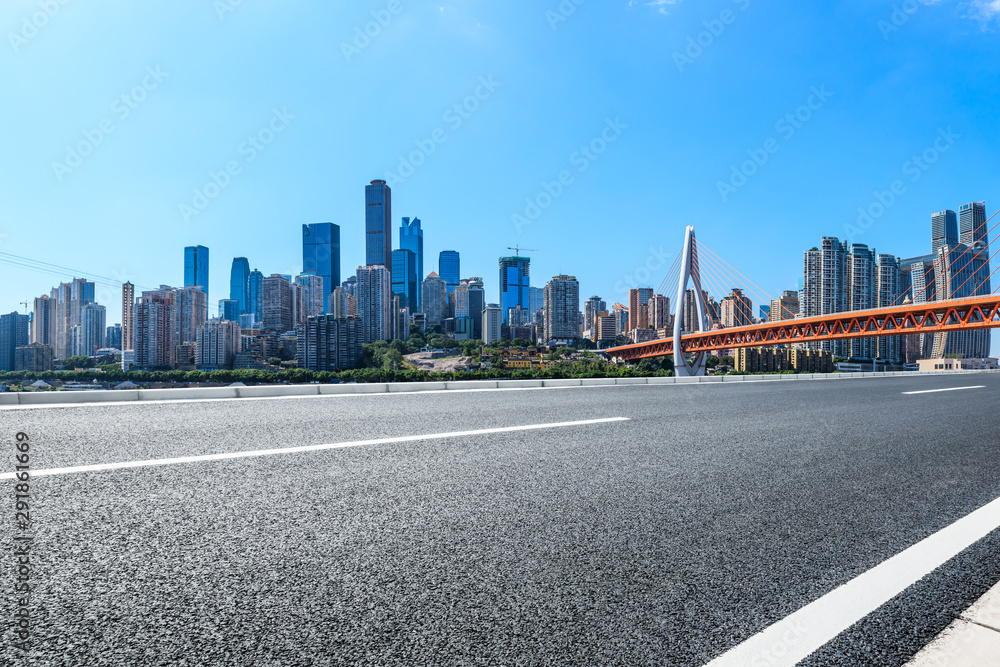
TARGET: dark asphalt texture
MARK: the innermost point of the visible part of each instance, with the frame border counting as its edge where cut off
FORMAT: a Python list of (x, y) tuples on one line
[(715, 511)]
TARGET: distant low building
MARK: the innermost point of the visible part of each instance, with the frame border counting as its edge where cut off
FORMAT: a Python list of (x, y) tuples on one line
[(987, 364)]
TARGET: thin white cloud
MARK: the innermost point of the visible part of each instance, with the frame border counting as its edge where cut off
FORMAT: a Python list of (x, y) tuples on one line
[(661, 5), (986, 11)]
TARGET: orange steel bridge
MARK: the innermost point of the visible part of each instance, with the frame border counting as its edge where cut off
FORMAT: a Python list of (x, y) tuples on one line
[(980, 312)]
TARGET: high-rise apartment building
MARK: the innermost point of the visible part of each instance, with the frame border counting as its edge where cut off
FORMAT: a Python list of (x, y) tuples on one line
[(434, 296), (824, 288), (515, 283), (156, 328), (860, 294), (562, 309), (219, 341), (972, 223), (13, 334), (492, 323), (736, 310), (405, 281), (128, 317), (375, 304), (43, 326), (93, 325), (239, 285), (411, 237), (192, 312), (328, 343), (313, 297), (378, 224), (958, 275), (321, 256), (256, 306), (70, 299), (638, 313), (888, 283), (277, 297), (658, 308), (785, 307), (944, 229), (196, 269)]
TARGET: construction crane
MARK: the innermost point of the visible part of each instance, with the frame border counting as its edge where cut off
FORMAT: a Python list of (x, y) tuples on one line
[(25, 304), (517, 249)]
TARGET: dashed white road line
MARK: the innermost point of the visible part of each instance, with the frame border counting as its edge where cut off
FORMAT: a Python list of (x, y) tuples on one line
[(44, 472), (794, 638), (934, 391)]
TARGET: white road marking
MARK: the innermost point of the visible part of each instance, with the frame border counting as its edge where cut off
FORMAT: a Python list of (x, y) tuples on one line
[(797, 636), (934, 391), (45, 472)]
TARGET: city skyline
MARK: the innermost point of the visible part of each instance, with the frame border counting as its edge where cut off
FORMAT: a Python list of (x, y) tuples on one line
[(869, 127)]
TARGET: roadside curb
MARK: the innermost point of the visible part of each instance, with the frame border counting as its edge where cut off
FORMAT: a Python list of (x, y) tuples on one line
[(277, 391), (973, 639)]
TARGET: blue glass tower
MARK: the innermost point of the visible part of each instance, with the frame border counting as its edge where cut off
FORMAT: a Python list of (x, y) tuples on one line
[(321, 256), (378, 224), (256, 305), (411, 237), (404, 278), (239, 284), (515, 284), (944, 230), (449, 268)]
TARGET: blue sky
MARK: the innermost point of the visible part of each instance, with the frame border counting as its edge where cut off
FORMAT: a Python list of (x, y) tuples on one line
[(668, 96)]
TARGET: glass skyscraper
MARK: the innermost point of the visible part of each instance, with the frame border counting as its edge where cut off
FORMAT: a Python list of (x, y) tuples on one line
[(450, 268), (378, 224), (514, 284), (256, 305), (944, 229), (321, 256), (239, 284), (196, 267), (404, 278), (411, 237)]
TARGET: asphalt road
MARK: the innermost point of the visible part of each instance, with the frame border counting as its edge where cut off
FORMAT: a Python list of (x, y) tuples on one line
[(714, 511)]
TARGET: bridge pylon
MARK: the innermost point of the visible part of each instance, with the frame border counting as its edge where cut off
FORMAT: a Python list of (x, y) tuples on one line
[(689, 272)]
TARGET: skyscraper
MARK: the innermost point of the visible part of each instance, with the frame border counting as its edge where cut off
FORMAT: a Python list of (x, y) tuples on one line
[(492, 323), (277, 303), (405, 282), (378, 224), (93, 323), (375, 305), (44, 323), (944, 229), (156, 328), (562, 309), (196, 269), (13, 334), (888, 283), (591, 307), (736, 309), (638, 314), (450, 268), (192, 312), (515, 280), (321, 256), (328, 343), (477, 302), (219, 342), (972, 223), (239, 285), (229, 309), (860, 281), (256, 305), (314, 296), (411, 237), (434, 296), (70, 299), (659, 311), (128, 318)]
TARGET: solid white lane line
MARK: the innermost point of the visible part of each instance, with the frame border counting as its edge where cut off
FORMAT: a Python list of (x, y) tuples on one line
[(797, 636), (934, 391), (306, 448)]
